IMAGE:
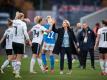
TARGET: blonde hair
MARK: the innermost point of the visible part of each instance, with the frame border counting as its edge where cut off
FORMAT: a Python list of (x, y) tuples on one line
[(38, 19), (49, 19), (67, 22), (19, 15)]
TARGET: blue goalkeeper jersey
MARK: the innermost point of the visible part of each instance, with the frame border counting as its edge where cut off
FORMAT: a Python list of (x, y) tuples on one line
[(49, 37)]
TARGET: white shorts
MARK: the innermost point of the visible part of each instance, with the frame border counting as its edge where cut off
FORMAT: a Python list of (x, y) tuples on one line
[(47, 46)]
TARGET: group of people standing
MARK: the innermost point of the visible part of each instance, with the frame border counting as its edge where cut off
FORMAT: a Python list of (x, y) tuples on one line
[(44, 41), (89, 40)]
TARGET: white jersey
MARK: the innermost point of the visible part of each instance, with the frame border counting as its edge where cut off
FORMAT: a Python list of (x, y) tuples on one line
[(20, 31), (103, 37), (38, 33), (9, 38)]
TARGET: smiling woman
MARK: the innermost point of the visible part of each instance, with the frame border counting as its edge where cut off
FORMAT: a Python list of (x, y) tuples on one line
[(65, 44)]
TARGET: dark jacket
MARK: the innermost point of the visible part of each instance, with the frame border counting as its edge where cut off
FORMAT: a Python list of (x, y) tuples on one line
[(58, 44), (90, 41)]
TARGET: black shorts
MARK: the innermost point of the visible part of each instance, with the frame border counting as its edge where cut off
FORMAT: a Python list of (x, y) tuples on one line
[(18, 48), (35, 48), (9, 51), (102, 50)]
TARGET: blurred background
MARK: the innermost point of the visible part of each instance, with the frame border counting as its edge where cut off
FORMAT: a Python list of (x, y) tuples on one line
[(92, 11), (73, 10)]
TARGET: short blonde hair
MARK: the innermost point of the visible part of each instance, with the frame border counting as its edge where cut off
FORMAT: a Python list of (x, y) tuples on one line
[(19, 15), (37, 19), (67, 22), (49, 19)]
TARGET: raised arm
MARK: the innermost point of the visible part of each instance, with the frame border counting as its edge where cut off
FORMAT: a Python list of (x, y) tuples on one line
[(50, 29), (54, 29), (52, 24)]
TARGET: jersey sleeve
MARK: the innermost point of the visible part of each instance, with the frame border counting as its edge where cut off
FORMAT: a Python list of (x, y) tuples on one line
[(43, 28), (25, 31)]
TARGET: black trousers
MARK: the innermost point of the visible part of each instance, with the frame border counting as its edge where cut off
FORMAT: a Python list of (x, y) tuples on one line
[(83, 57), (79, 59), (69, 58)]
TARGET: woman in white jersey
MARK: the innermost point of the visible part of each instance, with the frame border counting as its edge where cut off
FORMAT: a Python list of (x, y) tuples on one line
[(37, 31), (8, 35), (101, 42), (19, 36)]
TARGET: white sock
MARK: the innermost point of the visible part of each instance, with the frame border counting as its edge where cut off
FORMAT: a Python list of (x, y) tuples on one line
[(102, 64), (17, 67), (6, 62), (32, 63), (106, 66), (13, 64), (40, 64)]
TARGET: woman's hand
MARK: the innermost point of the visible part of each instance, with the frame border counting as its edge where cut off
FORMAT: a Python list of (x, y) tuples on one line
[(78, 49), (53, 21), (95, 47), (29, 43)]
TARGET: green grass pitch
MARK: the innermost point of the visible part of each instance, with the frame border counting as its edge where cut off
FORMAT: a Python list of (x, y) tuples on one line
[(77, 74)]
